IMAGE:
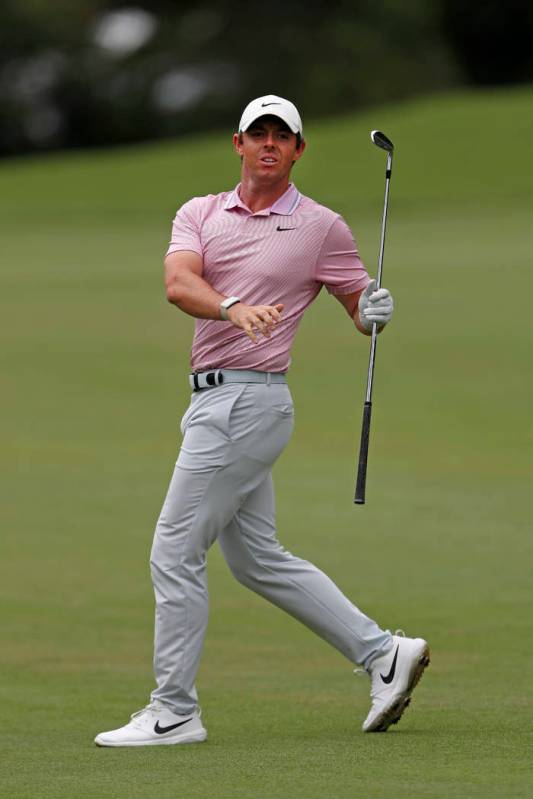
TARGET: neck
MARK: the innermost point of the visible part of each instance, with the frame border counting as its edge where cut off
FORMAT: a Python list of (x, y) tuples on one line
[(257, 196)]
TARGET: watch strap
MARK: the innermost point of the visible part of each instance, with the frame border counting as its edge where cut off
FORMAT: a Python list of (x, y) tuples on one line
[(226, 304)]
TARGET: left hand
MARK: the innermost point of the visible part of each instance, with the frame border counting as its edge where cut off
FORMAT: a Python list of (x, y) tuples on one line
[(375, 306), (252, 318)]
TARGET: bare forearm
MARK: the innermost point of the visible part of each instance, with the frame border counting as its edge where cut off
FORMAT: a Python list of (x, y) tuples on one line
[(350, 302), (193, 295), (187, 290)]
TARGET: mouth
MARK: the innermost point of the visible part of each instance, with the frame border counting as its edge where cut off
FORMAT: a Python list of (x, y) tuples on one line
[(269, 160)]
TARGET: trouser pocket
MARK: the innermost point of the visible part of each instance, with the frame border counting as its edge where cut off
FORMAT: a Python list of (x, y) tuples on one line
[(207, 427)]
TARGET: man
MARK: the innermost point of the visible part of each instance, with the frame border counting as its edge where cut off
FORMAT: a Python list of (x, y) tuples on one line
[(246, 264)]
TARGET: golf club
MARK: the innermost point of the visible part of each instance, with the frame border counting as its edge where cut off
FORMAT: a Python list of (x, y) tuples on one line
[(382, 141)]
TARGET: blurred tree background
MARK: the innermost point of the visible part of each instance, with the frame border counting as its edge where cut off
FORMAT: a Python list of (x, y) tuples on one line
[(83, 73)]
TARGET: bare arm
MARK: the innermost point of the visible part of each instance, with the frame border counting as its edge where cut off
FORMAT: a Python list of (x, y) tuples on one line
[(350, 302), (368, 307), (187, 289)]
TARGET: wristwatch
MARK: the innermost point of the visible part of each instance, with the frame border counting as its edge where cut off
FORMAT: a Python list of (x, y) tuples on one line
[(225, 305)]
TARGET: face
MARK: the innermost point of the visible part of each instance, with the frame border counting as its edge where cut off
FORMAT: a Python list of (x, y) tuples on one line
[(268, 149)]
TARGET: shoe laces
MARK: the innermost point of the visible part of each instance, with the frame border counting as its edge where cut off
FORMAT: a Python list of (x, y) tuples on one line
[(151, 707), (155, 707)]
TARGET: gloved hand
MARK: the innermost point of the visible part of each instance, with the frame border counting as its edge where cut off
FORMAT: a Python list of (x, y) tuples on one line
[(375, 306)]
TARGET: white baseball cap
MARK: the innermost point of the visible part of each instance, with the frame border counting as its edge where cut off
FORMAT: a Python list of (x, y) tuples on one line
[(275, 106)]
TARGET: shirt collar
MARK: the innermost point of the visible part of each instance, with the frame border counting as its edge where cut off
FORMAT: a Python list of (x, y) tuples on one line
[(284, 205)]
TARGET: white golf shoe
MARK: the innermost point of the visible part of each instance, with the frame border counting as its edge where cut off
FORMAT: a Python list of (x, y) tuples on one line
[(155, 725), (394, 677)]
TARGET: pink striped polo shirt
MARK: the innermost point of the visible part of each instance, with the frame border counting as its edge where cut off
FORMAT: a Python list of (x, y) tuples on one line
[(284, 253)]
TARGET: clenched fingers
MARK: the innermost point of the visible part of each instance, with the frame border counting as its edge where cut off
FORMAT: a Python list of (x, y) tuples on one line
[(379, 296), (379, 310), (375, 306)]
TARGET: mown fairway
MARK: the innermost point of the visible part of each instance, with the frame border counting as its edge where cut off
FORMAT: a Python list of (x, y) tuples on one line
[(93, 386)]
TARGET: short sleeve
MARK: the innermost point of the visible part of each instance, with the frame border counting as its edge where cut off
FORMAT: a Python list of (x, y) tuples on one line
[(338, 265), (186, 229)]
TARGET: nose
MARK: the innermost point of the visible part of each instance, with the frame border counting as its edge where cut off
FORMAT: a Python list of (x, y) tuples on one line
[(269, 142)]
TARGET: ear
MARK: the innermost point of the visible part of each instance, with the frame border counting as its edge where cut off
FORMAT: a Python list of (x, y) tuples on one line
[(237, 146), (299, 151)]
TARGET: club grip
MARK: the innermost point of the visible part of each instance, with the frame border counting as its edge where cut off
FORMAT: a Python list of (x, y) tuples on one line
[(363, 455)]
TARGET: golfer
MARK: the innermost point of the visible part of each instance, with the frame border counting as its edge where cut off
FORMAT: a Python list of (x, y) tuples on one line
[(246, 264)]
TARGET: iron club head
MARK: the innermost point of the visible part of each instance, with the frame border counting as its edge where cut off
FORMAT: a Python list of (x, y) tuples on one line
[(380, 140)]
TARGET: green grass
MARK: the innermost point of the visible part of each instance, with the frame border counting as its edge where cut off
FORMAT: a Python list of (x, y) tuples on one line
[(93, 385)]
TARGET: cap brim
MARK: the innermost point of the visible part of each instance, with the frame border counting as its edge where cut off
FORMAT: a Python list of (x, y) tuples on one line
[(294, 128)]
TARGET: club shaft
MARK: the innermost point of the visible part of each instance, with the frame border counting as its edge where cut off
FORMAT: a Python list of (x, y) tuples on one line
[(384, 219), (360, 488), (373, 342)]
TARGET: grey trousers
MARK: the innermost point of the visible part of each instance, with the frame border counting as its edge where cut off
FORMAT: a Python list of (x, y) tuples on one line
[(222, 488)]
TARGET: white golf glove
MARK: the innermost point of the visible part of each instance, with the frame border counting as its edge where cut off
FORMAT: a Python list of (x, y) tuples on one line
[(375, 306)]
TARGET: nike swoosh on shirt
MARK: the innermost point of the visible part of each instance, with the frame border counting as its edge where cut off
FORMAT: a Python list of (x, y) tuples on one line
[(161, 730), (390, 676), (285, 228)]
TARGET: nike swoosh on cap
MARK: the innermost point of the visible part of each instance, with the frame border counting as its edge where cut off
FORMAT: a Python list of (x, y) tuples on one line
[(390, 676), (161, 730), (264, 105)]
